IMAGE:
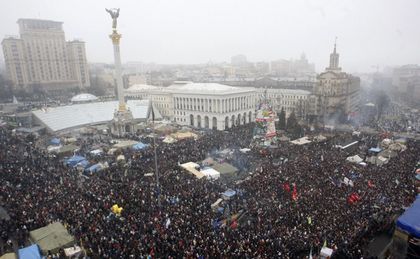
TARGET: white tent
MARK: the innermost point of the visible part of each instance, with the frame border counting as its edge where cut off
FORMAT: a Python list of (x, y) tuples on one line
[(169, 140), (210, 173), (301, 141), (96, 152), (354, 159), (125, 144), (53, 148)]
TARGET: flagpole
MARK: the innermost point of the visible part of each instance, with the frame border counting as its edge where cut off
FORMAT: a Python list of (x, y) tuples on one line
[(154, 150)]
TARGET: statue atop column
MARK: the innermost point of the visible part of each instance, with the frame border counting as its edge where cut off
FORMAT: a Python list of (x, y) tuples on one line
[(114, 12)]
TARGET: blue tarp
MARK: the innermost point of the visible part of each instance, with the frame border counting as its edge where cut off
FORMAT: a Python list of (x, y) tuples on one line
[(30, 252), (229, 193), (55, 141), (409, 221), (139, 146), (74, 160), (375, 149), (83, 163), (95, 168)]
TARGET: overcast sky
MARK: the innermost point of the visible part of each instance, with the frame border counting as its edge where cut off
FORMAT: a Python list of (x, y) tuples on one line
[(370, 32)]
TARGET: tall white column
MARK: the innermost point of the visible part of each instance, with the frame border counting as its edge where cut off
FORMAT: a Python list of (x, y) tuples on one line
[(115, 37)]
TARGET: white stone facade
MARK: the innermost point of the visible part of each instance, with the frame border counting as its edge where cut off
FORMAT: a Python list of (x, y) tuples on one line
[(290, 100), (202, 105)]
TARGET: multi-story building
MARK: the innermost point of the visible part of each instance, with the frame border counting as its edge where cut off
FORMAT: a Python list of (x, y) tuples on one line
[(337, 92), (41, 58), (406, 83), (290, 100), (202, 105), (213, 106)]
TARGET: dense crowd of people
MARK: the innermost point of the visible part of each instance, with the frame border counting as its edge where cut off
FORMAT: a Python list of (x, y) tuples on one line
[(288, 208)]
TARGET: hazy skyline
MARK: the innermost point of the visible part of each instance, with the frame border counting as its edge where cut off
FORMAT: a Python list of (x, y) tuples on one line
[(370, 33)]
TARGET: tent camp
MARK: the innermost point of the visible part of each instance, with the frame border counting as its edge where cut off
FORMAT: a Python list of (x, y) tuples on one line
[(51, 237), (301, 141), (74, 160), (386, 142), (125, 144), (164, 128), (228, 194), (225, 168), (73, 252), (377, 160), (284, 138), (210, 173), (29, 252), (354, 159), (95, 168), (409, 221), (9, 256), (67, 149), (375, 149), (192, 167), (320, 138), (55, 141), (139, 146), (169, 140), (397, 147), (96, 152), (184, 135), (388, 153), (53, 148)]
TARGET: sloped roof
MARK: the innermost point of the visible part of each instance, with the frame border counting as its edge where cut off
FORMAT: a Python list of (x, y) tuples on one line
[(78, 115), (51, 237)]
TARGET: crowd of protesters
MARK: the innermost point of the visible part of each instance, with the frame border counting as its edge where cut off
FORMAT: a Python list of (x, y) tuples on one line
[(288, 208)]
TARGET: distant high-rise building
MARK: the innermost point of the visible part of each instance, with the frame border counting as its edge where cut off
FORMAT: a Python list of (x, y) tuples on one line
[(41, 58), (337, 92)]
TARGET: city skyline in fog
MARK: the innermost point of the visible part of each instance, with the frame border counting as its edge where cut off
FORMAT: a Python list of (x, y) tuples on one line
[(370, 33)]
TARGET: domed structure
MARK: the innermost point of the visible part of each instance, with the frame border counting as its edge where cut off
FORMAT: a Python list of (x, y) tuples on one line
[(83, 98)]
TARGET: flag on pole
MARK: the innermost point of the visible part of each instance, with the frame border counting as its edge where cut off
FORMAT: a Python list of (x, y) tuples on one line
[(325, 244), (286, 187), (310, 253), (294, 194)]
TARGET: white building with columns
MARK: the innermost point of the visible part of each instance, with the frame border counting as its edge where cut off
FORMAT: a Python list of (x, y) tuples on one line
[(213, 106), (202, 105)]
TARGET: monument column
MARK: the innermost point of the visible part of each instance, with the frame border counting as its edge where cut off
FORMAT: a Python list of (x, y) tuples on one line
[(123, 121)]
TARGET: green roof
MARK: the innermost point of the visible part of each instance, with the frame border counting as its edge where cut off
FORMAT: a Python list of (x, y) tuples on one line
[(52, 237)]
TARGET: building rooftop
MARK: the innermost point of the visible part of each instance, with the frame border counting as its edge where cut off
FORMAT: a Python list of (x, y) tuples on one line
[(141, 87), (78, 115), (207, 88), (287, 91)]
